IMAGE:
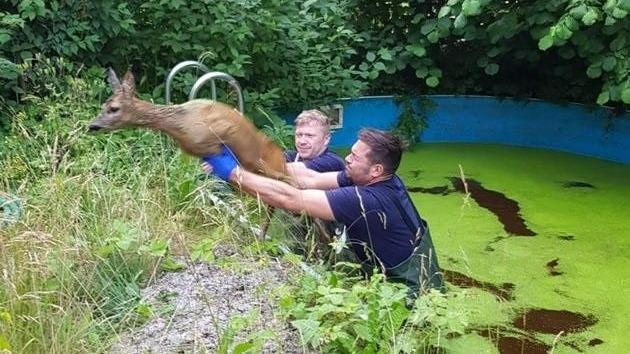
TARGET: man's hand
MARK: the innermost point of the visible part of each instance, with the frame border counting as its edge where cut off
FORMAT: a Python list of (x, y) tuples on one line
[(221, 164)]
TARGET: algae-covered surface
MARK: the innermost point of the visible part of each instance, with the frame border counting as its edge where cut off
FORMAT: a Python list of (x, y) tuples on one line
[(542, 238)]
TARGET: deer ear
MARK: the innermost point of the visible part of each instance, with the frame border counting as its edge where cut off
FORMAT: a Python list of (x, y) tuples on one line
[(129, 83), (113, 79)]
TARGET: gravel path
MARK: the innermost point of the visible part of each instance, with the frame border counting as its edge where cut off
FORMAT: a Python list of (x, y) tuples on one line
[(194, 308)]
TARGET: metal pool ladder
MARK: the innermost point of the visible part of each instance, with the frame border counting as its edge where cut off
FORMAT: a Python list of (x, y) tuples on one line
[(208, 76)]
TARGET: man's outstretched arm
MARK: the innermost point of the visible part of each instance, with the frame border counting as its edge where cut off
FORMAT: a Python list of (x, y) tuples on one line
[(313, 202), (306, 178)]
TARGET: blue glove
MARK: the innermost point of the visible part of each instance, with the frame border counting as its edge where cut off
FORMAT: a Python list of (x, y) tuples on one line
[(222, 163)]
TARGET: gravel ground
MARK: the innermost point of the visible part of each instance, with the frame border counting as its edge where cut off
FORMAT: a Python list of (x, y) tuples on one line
[(199, 303)]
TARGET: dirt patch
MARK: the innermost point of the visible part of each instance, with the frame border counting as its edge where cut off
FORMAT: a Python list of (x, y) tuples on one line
[(595, 341), (441, 190), (553, 321), (463, 281), (509, 344), (551, 267), (203, 302), (506, 209), (567, 237), (577, 184), (416, 173)]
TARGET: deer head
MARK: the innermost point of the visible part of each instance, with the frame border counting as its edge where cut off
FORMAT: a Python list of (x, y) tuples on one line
[(116, 112)]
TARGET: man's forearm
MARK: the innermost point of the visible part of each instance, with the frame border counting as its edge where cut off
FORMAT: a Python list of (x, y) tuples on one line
[(273, 192), (306, 178)]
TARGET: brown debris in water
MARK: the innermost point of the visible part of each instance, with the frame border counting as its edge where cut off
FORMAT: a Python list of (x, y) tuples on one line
[(415, 173), (463, 281), (508, 344), (551, 267), (567, 237), (506, 209), (553, 321), (577, 184), (442, 190)]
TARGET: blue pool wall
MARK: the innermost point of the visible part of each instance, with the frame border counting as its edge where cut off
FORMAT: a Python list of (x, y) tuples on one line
[(574, 128)]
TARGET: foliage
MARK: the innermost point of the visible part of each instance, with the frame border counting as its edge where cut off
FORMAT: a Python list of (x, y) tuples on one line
[(341, 314), (296, 50), (412, 119), (77, 30), (561, 49)]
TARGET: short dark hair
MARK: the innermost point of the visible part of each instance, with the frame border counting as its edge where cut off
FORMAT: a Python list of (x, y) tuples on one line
[(385, 148)]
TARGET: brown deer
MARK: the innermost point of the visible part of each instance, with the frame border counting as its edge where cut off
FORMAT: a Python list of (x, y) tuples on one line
[(198, 126)]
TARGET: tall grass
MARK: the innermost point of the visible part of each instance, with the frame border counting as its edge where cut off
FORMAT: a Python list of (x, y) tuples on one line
[(100, 213)]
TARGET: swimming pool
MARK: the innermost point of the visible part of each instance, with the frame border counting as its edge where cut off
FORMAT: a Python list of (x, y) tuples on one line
[(543, 239)]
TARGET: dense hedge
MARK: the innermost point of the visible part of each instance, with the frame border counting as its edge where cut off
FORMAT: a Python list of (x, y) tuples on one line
[(295, 54)]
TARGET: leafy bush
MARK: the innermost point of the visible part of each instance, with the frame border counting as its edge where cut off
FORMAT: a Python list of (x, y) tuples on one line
[(557, 50), (341, 314)]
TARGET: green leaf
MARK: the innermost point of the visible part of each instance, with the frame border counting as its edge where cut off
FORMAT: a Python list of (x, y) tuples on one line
[(609, 63), (422, 72), (603, 97), (444, 11), (579, 11), (492, 69), (417, 49), (385, 54), (482, 62), (594, 71), (4, 37), (370, 56), (243, 347), (625, 95), (590, 17), (460, 21), (362, 331), (619, 13), (545, 42), (4, 344), (433, 37), (432, 81), (471, 7), (437, 72), (428, 27), (379, 66), (618, 43), (169, 264)]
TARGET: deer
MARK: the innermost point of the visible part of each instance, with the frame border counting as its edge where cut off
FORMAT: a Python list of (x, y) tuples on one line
[(198, 126)]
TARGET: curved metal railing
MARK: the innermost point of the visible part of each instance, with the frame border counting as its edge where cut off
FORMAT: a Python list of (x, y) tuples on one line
[(217, 75), (176, 69)]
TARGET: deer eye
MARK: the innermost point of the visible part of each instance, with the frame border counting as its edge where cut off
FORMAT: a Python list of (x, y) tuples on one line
[(114, 109)]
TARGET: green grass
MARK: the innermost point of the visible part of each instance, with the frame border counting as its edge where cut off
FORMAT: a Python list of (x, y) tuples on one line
[(595, 265)]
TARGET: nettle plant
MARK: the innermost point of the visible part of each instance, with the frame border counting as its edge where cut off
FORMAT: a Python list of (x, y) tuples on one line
[(337, 313)]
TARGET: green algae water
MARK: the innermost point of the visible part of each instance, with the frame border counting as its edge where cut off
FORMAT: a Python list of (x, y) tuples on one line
[(541, 238)]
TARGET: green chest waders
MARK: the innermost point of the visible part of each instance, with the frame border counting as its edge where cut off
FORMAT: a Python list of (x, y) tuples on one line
[(420, 271)]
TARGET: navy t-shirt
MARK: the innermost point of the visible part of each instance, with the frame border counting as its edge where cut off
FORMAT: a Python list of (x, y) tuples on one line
[(373, 220), (328, 161)]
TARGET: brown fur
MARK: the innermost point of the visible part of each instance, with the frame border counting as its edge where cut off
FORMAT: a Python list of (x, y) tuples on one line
[(198, 126)]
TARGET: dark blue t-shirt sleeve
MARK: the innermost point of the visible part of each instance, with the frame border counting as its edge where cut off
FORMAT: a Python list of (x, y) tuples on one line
[(289, 156), (343, 180), (326, 162), (343, 203)]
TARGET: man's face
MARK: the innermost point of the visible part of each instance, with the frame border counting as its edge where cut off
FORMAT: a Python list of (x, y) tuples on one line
[(310, 140), (358, 167)]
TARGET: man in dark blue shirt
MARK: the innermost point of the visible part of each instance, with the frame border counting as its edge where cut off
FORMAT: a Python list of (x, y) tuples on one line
[(383, 226), (312, 136)]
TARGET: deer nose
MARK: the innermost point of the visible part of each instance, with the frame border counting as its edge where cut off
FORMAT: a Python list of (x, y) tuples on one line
[(94, 128)]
